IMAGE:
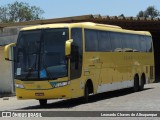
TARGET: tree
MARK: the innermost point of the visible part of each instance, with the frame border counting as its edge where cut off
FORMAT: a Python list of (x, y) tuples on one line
[(140, 14), (150, 12), (121, 15), (19, 12), (3, 14)]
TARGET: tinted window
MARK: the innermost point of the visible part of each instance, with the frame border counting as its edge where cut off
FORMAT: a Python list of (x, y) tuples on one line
[(143, 44), (76, 53), (77, 37), (91, 39), (52, 36), (116, 41), (53, 61), (104, 41), (135, 42), (127, 41), (148, 44)]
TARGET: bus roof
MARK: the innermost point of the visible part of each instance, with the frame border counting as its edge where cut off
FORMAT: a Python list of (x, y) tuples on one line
[(89, 25)]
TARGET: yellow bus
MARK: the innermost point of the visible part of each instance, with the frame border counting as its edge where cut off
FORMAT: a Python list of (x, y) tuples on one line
[(71, 60)]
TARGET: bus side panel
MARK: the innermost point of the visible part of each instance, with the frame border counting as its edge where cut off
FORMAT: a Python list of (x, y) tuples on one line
[(92, 68), (77, 87)]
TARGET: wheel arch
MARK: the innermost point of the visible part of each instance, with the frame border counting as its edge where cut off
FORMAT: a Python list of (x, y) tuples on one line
[(136, 75), (89, 83)]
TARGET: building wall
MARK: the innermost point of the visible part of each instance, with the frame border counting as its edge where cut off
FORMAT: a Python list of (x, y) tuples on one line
[(7, 35), (6, 80)]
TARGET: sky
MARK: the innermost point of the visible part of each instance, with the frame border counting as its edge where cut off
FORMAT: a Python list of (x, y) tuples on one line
[(67, 8)]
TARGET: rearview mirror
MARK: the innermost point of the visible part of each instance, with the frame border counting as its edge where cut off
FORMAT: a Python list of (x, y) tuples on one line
[(68, 47), (8, 51)]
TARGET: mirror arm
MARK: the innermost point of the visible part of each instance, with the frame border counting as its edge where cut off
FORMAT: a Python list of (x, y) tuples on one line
[(8, 59), (68, 56)]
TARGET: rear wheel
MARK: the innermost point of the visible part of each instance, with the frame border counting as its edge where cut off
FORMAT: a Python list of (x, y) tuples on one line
[(141, 87), (136, 84), (43, 102)]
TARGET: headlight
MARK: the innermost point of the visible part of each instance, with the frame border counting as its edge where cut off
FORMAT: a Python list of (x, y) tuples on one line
[(19, 86), (60, 84)]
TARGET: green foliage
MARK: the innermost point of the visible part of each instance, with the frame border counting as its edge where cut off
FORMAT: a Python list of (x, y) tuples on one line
[(19, 12), (121, 15), (150, 12)]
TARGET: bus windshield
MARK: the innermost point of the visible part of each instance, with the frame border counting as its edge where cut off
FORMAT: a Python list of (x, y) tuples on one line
[(40, 54)]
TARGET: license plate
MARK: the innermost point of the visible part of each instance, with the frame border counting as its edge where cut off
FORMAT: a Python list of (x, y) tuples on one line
[(39, 94)]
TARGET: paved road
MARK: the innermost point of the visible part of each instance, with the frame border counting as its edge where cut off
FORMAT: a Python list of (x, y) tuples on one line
[(121, 100)]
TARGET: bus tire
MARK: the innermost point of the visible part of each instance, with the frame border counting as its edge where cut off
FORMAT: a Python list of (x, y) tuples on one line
[(141, 87), (136, 84), (43, 102), (86, 94)]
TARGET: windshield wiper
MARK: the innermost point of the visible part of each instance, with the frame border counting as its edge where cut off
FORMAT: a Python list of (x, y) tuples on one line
[(49, 74)]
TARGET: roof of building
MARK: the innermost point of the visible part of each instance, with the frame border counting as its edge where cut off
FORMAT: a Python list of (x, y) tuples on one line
[(121, 21)]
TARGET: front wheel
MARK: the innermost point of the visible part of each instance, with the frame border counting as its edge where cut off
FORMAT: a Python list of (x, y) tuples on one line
[(86, 94), (43, 102)]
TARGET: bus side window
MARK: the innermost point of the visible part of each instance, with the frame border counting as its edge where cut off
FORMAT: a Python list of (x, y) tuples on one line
[(104, 42), (143, 43), (91, 40), (127, 41), (116, 41), (135, 43), (148, 43)]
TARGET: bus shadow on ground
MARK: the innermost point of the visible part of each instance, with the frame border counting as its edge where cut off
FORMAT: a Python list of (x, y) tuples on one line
[(78, 101)]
